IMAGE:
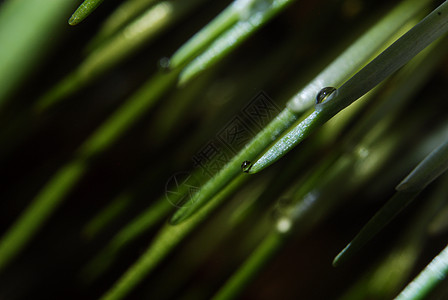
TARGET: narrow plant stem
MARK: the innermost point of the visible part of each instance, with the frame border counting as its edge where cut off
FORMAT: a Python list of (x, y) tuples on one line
[(27, 29), (311, 202), (122, 15), (282, 122), (389, 61), (425, 282), (191, 259), (358, 54), (332, 168), (233, 37), (100, 221), (428, 170), (233, 168), (168, 238), (263, 253), (392, 272), (435, 164), (119, 47), (145, 221), (32, 219), (53, 193), (203, 38), (83, 11), (313, 199), (131, 111)]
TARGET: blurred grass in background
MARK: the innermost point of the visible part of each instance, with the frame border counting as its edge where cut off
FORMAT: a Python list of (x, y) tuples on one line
[(97, 129)]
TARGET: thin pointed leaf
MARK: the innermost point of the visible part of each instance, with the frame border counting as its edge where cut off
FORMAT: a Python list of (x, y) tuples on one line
[(57, 188), (119, 47), (168, 238), (25, 227), (83, 11), (358, 54), (287, 117), (107, 256), (389, 61), (427, 280), (428, 170), (203, 38), (120, 17), (261, 255), (233, 37), (233, 168)]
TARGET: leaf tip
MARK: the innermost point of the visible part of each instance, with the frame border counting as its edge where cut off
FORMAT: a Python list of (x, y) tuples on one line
[(74, 20), (341, 257), (178, 217)]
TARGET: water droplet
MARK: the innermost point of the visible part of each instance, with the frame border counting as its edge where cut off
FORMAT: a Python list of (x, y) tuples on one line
[(164, 64), (324, 93), (245, 166)]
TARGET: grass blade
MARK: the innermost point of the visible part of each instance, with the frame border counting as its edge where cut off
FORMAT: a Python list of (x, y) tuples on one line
[(203, 38), (164, 243), (119, 47), (122, 15), (432, 275), (83, 11), (233, 37), (53, 193), (233, 168), (358, 54), (24, 228), (428, 170), (287, 117), (262, 254), (389, 61), (101, 262)]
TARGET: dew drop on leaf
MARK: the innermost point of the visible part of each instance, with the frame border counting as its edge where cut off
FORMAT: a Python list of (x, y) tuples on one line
[(245, 166), (324, 93)]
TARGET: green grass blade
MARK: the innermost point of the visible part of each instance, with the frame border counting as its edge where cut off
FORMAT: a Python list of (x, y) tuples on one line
[(358, 54), (83, 11), (32, 219), (145, 221), (168, 238), (27, 29), (428, 170), (120, 17), (137, 226), (365, 136), (288, 117), (64, 180), (435, 164), (425, 282), (267, 249), (313, 199), (112, 210), (232, 169), (389, 61), (385, 279), (119, 47), (204, 37), (233, 37), (134, 108)]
